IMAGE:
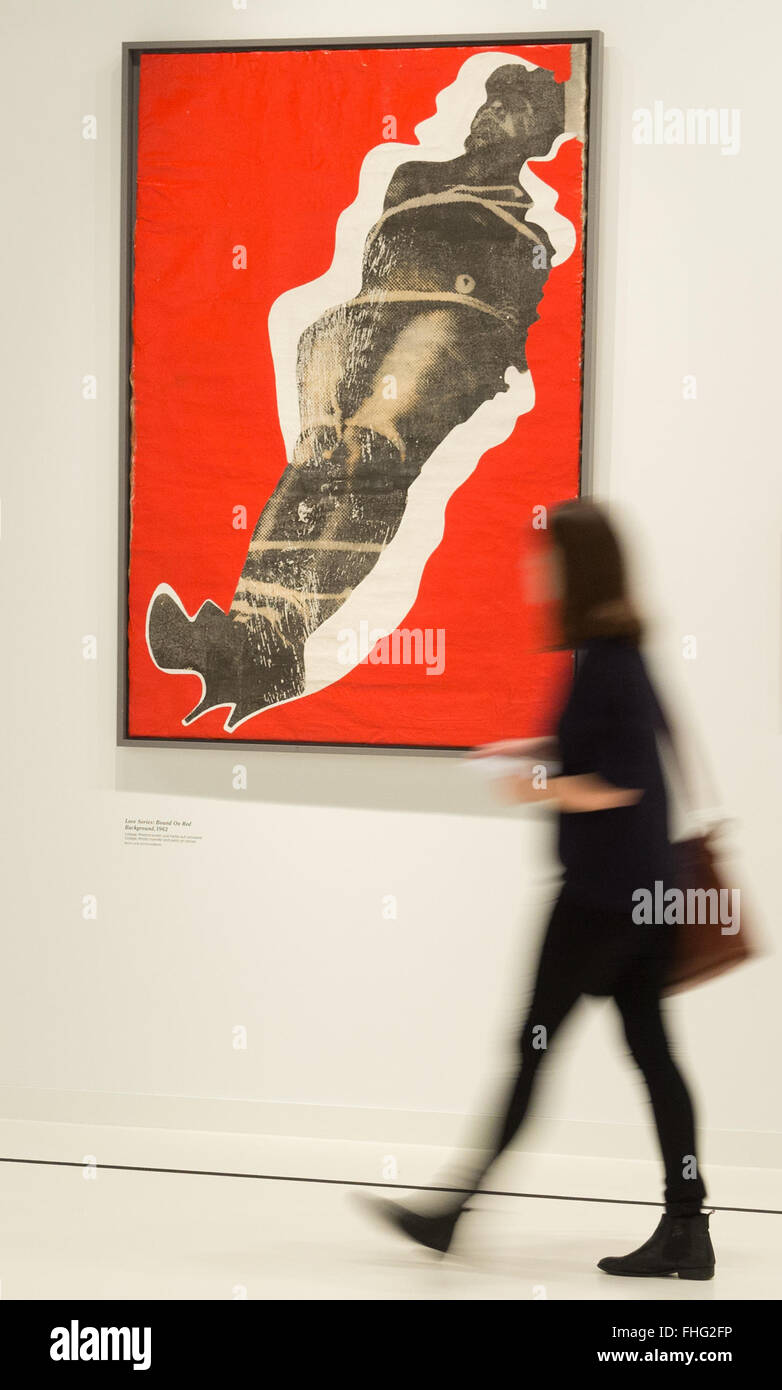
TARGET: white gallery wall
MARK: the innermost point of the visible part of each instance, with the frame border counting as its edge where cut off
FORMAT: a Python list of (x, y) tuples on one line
[(364, 1020)]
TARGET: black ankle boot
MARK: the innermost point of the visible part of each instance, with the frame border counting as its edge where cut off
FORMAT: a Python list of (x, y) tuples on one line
[(435, 1232), (680, 1245)]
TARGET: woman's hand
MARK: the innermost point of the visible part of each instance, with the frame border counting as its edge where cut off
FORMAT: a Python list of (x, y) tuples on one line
[(525, 789), (591, 792), (517, 748), (587, 792)]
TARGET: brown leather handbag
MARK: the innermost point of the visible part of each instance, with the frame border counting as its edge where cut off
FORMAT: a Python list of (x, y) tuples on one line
[(704, 946)]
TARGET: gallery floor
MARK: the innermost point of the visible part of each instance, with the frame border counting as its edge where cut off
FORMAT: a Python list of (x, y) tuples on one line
[(71, 1229)]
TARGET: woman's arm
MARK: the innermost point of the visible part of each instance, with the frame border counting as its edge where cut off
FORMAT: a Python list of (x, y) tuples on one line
[(518, 748), (587, 792)]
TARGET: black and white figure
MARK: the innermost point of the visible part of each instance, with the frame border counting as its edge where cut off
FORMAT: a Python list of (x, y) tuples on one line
[(388, 379)]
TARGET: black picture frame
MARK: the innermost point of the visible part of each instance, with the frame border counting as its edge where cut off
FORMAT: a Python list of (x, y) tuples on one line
[(132, 53)]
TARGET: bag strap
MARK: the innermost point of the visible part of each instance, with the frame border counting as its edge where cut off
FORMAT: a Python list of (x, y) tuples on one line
[(692, 804)]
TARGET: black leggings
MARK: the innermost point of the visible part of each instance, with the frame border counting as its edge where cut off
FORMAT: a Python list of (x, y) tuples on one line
[(589, 951)]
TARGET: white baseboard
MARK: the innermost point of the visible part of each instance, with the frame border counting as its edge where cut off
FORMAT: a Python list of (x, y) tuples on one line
[(214, 1115)]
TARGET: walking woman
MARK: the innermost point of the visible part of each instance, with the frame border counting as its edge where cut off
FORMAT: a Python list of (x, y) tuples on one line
[(610, 798)]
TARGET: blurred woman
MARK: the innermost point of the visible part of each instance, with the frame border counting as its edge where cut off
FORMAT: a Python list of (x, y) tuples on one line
[(610, 797)]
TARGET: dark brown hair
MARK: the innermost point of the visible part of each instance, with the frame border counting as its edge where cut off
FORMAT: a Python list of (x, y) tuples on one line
[(595, 602)]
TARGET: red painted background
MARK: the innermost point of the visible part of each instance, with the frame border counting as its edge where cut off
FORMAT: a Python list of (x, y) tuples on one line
[(265, 149)]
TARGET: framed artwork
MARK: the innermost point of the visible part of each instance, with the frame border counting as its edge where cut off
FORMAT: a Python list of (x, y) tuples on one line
[(356, 365)]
